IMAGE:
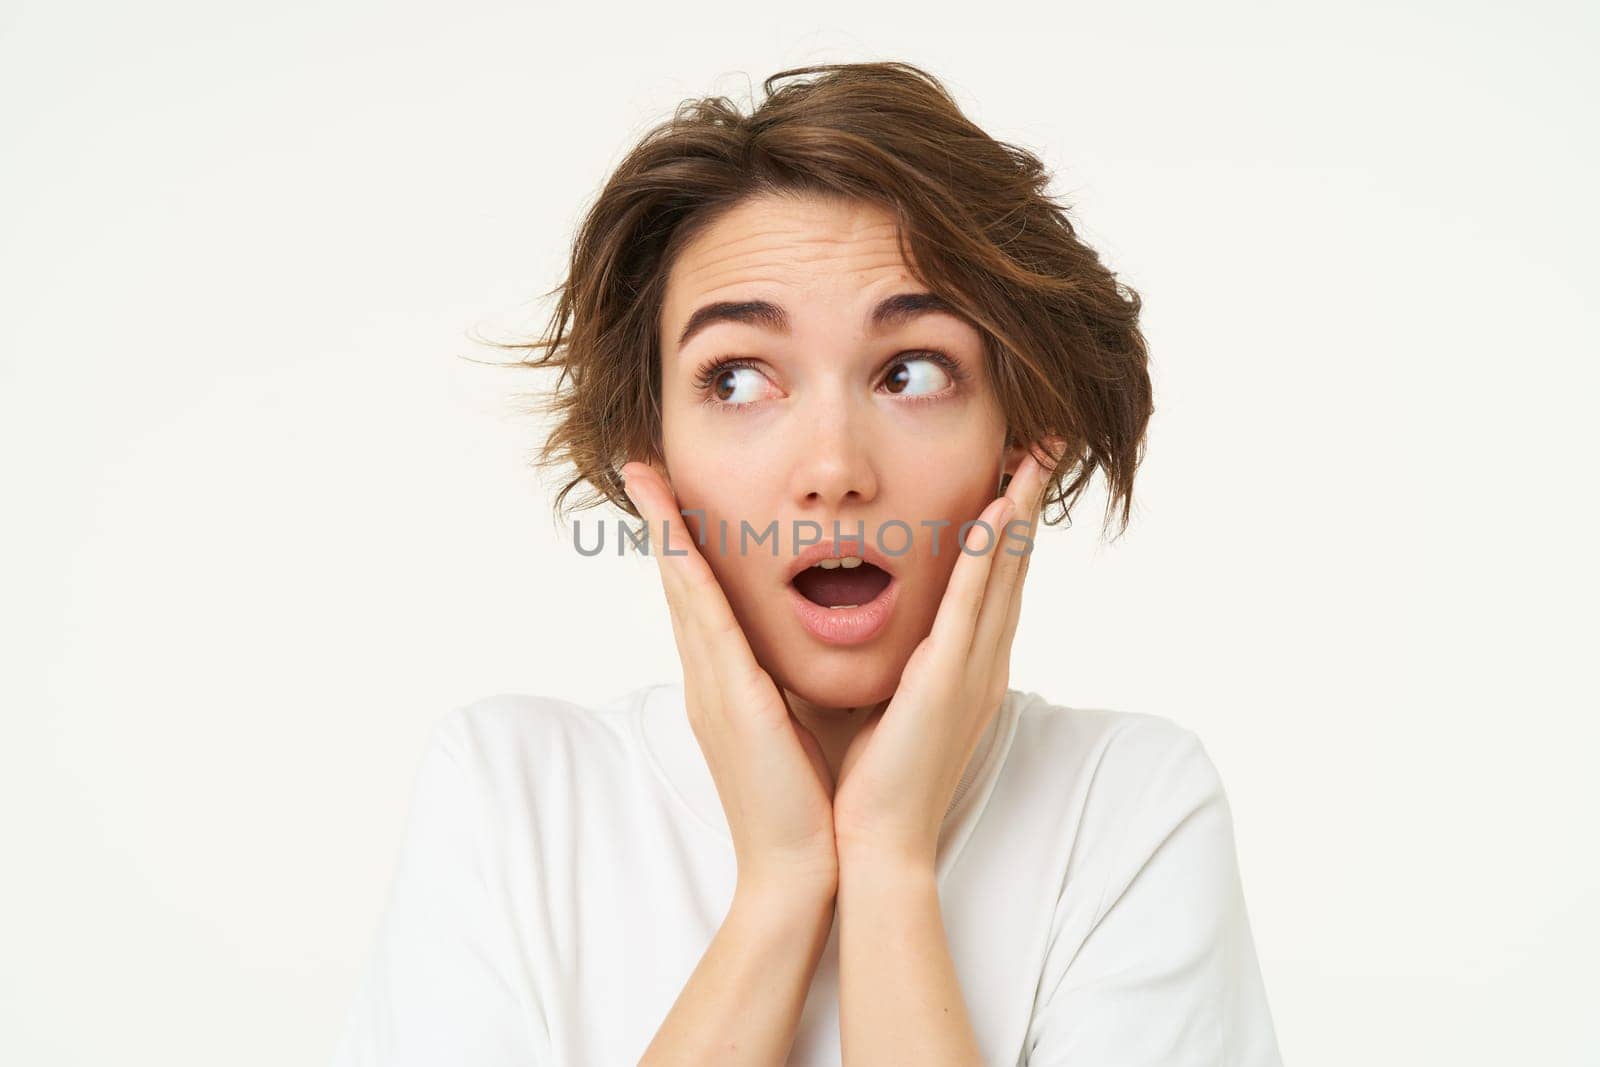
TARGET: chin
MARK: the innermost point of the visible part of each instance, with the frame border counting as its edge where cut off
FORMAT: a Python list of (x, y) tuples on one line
[(841, 679)]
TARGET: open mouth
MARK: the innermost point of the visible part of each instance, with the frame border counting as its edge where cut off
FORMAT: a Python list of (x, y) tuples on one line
[(841, 582), (840, 599)]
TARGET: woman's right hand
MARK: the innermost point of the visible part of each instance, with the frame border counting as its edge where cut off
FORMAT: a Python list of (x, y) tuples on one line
[(770, 773)]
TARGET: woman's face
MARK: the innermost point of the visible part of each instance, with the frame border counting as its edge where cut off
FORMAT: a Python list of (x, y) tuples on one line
[(828, 414)]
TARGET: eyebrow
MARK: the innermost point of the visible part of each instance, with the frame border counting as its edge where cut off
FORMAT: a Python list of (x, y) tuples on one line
[(891, 311)]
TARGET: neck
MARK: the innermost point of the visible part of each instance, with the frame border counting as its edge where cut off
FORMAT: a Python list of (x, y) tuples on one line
[(834, 728)]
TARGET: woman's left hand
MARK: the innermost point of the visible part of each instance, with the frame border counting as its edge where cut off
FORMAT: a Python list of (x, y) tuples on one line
[(901, 769)]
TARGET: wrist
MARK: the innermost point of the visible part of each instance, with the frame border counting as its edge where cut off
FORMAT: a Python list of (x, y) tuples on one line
[(899, 854), (886, 868), (769, 900)]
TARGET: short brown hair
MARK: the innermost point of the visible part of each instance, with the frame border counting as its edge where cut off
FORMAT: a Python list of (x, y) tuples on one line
[(1063, 349)]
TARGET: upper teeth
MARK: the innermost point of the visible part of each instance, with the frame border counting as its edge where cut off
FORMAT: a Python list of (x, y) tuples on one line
[(834, 562)]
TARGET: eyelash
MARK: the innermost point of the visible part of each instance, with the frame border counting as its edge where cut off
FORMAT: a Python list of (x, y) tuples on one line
[(715, 367)]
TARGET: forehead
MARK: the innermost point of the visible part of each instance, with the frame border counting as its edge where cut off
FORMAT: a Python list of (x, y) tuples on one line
[(786, 242)]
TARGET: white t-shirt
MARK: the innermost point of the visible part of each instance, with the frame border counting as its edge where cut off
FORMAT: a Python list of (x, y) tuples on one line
[(564, 868)]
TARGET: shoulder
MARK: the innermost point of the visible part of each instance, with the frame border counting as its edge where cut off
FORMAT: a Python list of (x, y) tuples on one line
[(1122, 782), (1139, 793), (1150, 944), (1112, 753), (508, 737)]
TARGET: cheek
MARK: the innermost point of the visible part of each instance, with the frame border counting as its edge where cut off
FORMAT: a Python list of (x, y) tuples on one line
[(719, 498), (953, 502), (705, 473)]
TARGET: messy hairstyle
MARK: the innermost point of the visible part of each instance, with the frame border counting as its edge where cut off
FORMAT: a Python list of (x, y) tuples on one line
[(1063, 350)]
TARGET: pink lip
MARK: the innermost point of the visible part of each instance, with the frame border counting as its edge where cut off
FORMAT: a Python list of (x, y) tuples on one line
[(846, 626)]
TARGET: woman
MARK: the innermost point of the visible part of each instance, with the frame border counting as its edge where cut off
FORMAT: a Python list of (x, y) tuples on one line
[(852, 329)]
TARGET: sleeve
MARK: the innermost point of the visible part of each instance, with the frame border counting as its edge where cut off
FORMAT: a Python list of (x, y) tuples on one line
[(1167, 973), (435, 989)]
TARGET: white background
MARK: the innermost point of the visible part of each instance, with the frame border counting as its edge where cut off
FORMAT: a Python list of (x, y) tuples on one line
[(264, 522)]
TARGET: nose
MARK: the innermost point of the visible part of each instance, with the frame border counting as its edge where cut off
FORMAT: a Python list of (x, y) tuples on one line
[(833, 471)]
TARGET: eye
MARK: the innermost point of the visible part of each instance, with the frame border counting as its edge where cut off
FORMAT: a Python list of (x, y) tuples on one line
[(729, 383), (918, 375), (736, 383)]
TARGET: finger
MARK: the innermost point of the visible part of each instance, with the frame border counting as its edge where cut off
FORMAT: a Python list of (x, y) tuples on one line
[(1003, 599), (1014, 611), (1058, 451), (1008, 561), (654, 502), (664, 528), (710, 637), (657, 505), (684, 570), (956, 619)]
